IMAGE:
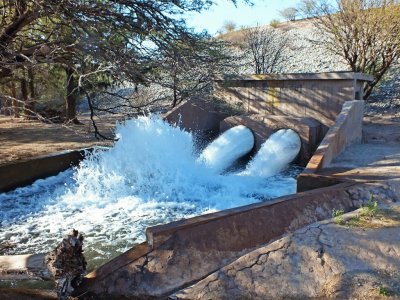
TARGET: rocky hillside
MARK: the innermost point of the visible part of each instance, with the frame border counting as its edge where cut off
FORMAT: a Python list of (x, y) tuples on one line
[(306, 53), (386, 97)]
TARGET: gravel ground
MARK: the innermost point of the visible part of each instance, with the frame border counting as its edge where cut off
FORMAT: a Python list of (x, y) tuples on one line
[(23, 139), (386, 97), (306, 53)]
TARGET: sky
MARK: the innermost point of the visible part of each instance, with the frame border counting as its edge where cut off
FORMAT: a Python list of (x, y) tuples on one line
[(262, 12)]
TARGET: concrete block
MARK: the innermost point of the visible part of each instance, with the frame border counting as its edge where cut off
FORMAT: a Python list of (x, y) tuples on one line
[(196, 116)]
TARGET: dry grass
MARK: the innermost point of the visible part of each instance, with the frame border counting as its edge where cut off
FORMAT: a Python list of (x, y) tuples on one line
[(380, 219)]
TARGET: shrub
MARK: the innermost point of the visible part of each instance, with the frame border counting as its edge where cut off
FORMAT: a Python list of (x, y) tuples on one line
[(274, 23)]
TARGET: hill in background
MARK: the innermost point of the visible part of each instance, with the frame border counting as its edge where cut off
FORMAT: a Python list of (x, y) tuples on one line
[(306, 54)]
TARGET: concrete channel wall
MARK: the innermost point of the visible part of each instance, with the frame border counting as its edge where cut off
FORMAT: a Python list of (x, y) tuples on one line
[(180, 253), (25, 172), (347, 130)]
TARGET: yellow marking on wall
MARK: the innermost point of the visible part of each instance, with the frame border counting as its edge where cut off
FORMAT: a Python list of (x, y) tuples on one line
[(272, 96), (258, 77)]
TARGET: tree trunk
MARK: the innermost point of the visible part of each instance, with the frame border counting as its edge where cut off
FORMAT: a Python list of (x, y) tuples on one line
[(6, 109), (15, 105), (377, 78), (175, 100), (31, 103), (370, 86), (368, 90), (24, 92), (7, 106), (72, 95)]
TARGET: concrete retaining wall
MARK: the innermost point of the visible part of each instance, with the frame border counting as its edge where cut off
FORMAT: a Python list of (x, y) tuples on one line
[(346, 131), (319, 95), (22, 173), (196, 116), (186, 251), (263, 126)]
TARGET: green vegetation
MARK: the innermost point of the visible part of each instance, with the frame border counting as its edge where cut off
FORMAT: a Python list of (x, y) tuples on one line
[(384, 291), (369, 216), (370, 209), (354, 221), (274, 23), (337, 215)]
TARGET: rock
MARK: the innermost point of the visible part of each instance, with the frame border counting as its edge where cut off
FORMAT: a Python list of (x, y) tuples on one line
[(67, 264)]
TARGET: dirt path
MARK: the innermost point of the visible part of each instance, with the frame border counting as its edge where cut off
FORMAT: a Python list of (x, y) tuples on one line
[(22, 139)]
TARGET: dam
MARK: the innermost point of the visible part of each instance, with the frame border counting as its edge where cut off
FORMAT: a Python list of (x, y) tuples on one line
[(176, 254)]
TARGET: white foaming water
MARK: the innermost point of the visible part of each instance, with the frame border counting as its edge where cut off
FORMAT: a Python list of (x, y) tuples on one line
[(151, 176), (227, 148), (280, 149)]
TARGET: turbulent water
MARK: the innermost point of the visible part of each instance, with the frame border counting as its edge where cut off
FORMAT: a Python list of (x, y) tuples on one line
[(152, 175), (275, 153), (227, 148)]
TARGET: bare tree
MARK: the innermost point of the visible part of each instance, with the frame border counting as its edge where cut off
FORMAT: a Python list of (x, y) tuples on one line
[(366, 33), (266, 47), (229, 26), (289, 13), (307, 8)]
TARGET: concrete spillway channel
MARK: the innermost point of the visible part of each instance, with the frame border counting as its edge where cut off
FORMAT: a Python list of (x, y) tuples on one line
[(226, 147), (161, 240), (180, 253)]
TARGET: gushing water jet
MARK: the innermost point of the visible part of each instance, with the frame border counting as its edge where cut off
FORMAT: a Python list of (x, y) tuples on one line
[(275, 154), (227, 148)]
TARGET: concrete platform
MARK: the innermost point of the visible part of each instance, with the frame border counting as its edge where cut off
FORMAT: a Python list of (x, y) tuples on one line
[(366, 162), (377, 158), (381, 129)]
